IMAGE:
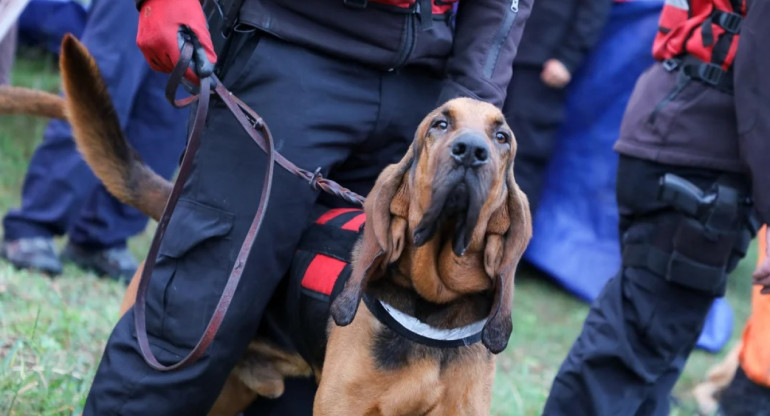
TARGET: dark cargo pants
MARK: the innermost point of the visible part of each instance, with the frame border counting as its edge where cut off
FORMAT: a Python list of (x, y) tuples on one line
[(348, 119), (642, 327)]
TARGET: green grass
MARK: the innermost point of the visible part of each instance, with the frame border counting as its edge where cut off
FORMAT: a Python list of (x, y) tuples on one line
[(52, 331)]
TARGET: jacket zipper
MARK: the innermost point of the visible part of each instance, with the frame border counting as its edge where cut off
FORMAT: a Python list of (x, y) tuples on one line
[(408, 44), (499, 39), (681, 82)]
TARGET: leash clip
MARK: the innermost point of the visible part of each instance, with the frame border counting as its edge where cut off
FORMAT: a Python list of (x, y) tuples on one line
[(313, 181)]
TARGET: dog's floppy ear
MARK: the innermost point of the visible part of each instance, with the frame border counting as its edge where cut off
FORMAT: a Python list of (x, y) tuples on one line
[(513, 242), (375, 248)]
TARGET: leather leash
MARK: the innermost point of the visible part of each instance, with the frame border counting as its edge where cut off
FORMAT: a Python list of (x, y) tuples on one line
[(256, 128)]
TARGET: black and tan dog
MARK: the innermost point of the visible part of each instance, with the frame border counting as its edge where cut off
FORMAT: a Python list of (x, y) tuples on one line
[(445, 230)]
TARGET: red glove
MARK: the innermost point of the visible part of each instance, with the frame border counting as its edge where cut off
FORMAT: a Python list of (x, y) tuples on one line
[(159, 37)]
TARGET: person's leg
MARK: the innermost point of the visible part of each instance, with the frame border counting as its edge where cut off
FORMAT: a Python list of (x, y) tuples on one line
[(153, 127), (58, 181), (98, 235), (7, 53), (641, 329), (535, 112), (55, 185), (317, 109), (406, 98)]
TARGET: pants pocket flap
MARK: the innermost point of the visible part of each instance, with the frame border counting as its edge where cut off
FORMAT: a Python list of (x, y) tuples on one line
[(192, 223)]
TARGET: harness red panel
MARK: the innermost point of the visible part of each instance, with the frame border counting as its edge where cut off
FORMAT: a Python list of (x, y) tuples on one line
[(324, 250), (334, 213), (322, 273)]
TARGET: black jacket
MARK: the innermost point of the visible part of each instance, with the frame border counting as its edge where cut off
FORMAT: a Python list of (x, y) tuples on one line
[(475, 55), (562, 29)]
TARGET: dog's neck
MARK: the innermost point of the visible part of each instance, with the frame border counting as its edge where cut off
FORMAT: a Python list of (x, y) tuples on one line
[(397, 290)]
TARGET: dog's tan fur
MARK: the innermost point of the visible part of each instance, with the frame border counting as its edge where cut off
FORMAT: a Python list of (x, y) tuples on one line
[(387, 258), (718, 377), (18, 100)]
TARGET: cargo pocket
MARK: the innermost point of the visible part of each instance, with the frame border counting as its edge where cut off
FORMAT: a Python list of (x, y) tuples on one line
[(665, 324), (193, 264)]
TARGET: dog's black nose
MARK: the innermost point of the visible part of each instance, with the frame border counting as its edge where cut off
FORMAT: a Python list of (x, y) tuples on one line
[(470, 150)]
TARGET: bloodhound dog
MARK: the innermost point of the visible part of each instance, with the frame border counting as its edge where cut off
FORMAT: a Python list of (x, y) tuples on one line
[(445, 229)]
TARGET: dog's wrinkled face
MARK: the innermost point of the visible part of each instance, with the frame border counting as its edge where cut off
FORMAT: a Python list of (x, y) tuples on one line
[(462, 151), (449, 216)]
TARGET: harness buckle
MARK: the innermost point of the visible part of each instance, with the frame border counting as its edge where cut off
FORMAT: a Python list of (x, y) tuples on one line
[(709, 73), (356, 4), (730, 22), (671, 64)]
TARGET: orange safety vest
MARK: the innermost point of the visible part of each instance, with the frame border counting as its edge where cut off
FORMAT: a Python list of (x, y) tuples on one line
[(755, 352), (705, 29)]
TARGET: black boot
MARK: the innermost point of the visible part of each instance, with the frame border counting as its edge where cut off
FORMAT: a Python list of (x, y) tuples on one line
[(116, 263), (33, 253)]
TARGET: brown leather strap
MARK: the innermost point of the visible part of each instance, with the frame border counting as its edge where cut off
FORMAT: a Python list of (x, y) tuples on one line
[(256, 128)]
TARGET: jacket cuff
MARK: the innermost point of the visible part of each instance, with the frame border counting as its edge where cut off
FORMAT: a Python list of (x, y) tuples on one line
[(452, 90)]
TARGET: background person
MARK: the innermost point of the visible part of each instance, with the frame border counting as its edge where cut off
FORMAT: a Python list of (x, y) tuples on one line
[(558, 36), (61, 196), (681, 120)]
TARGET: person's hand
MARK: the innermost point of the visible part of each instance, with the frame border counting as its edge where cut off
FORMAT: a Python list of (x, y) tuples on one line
[(555, 74), (164, 25), (762, 274)]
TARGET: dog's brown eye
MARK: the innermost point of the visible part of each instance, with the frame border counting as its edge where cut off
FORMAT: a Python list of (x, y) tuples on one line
[(502, 138), (440, 124)]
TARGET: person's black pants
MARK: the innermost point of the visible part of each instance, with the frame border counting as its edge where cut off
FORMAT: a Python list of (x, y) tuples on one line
[(642, 327), (535, 113), (348, 119)]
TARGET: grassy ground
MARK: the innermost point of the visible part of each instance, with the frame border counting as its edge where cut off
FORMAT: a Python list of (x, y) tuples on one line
[(52, 331)]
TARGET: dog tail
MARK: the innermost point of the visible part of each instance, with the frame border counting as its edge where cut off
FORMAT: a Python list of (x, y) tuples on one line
[(99, 137), (18, 100)]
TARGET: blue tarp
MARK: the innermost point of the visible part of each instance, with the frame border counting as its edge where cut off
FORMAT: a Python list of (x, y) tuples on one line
[(576, 236), (45, 22)]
